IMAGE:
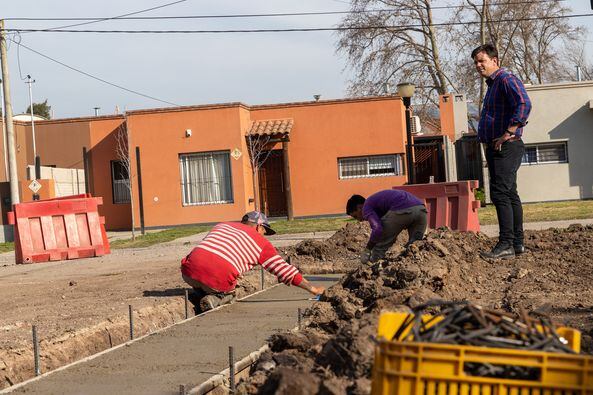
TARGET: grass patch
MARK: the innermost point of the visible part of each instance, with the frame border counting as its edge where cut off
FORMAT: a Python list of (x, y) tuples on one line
[(309, 225), (162, 236), (6, 247), (540, 212)]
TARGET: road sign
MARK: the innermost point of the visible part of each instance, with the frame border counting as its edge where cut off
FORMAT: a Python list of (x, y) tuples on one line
[(35, 186)]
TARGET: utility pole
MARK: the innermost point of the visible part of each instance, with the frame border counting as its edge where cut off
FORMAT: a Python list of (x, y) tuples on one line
[(30, 82), (6, 175), (14, 181)]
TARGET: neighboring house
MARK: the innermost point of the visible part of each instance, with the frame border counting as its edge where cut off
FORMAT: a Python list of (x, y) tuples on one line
[(195, 165), (558, 161)]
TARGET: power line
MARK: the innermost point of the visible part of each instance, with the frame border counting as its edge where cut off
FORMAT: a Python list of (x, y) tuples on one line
[(281, 30), (122, 15), (93, 76), (225, 16)]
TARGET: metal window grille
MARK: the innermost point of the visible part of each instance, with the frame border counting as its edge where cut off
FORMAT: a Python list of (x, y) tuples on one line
[(120, 183), (370, 166), (206, 178), (530, 155), (546, 153)]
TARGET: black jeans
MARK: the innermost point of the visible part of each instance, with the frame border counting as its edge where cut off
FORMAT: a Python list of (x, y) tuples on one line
[(502, 167)]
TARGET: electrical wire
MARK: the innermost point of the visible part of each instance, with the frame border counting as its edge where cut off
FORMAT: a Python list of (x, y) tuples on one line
[(312, 29), (122, 15), (280, 14), (93, 76)]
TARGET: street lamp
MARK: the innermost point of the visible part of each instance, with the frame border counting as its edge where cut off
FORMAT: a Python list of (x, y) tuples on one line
[(406, 91)]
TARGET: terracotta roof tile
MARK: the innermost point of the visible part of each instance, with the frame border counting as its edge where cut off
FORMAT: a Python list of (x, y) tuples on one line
[(271, 126)]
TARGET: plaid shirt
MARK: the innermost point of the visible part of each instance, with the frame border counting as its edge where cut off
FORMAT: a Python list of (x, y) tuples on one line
[(506, 104)]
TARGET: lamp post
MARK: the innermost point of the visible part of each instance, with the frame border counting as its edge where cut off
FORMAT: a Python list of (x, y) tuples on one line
[(406, 91)]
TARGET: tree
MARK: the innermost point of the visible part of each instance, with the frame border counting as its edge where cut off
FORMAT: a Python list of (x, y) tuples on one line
[(411, 50), (41, 109), (532, 47), (259, 151), (401, 42), (122, 152)]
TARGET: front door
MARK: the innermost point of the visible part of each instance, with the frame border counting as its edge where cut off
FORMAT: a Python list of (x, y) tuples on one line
[(271, 185)]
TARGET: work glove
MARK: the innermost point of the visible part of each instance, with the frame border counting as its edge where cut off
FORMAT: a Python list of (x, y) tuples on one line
[(365, 256)]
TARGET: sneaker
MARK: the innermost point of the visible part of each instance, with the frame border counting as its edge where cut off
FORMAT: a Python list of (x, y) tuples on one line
[(209, 302), (519, 249), (500, 251)]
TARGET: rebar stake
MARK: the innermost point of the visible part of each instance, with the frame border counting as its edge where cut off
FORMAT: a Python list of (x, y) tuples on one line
[(131, 322), (231, 370), (262, 277), (299, 318), (186, 304), (36, 351), (182, 387)]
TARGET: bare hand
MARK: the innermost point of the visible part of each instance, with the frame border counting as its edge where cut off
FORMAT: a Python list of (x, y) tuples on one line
[(499, 141), (317, 290)]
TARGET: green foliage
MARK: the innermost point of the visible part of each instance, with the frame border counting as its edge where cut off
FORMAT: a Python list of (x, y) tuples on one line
[(41, 109)]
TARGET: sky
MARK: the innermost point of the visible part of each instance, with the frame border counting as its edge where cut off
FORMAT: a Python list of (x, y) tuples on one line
[(189, 69)]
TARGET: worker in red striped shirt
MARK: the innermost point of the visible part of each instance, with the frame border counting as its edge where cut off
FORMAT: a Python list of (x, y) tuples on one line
[(231, 249)]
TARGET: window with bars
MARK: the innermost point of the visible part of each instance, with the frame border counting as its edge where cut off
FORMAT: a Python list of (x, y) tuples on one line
[(206, 178), (545, 153), (120, 182), (370, 166)]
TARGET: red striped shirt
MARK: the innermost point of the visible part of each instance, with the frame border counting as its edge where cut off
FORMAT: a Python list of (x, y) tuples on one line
[(231, 249)]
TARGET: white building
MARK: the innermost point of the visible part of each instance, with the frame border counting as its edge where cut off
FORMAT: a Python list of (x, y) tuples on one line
[(558, 161)]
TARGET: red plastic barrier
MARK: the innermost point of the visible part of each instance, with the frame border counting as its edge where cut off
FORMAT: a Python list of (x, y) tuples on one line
[(450, 204), (58, 229)]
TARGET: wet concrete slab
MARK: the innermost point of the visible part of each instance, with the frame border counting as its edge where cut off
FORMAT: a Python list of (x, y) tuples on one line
[(186, 354)]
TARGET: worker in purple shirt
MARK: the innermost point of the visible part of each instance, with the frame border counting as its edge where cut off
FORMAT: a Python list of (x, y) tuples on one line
[(504, 113), (388, 212)]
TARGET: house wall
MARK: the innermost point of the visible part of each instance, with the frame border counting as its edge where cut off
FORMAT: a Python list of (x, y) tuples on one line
[(326, 131), (161, 138), (322, 133), (561, 112), (103, 143)]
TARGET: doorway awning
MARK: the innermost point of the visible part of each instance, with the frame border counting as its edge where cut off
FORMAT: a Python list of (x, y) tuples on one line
[(270, 127)]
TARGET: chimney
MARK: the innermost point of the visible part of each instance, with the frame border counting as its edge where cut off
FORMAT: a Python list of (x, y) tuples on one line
[(453, 109)]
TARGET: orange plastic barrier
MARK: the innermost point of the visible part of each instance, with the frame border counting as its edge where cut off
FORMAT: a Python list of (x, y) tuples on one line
[(58, 229), (450, 204)]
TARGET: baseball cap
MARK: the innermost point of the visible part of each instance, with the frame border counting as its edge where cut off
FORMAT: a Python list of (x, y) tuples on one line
[(255, 217)]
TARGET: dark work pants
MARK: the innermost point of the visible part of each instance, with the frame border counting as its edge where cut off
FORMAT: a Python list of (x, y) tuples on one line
[(502, 167)]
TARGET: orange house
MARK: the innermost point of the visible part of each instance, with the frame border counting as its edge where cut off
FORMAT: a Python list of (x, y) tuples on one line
[(196, 167)]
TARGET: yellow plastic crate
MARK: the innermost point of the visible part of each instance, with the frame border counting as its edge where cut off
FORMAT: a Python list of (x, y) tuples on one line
[(410, 368)]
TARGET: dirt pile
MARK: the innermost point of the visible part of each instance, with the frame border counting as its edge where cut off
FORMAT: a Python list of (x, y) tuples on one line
[(334, 353), (338, 254)]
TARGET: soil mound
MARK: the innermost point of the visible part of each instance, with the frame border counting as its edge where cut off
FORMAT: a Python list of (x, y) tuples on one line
[(338, 254), (334, 353)]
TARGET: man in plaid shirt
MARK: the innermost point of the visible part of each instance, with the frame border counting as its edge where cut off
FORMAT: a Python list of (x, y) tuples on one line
[(504, 114)]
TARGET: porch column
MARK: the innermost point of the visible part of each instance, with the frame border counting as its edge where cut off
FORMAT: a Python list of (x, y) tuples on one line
[(286, 179)]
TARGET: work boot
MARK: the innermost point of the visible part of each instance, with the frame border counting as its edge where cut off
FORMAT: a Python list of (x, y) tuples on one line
[(519, 249), (500, 251)]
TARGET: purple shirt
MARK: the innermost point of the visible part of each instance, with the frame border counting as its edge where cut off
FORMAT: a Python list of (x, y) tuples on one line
[(378, 204), (505, 104)]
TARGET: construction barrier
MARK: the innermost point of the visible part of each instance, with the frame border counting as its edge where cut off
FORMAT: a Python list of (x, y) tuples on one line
[(414, 368), (449, 204), (58, 229)]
